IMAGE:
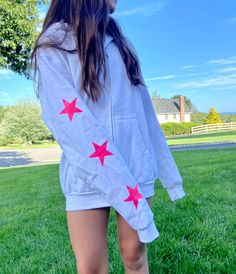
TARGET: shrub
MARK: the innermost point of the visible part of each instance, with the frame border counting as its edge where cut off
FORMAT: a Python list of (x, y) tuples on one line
[(213, 117), (173, 128), (22, 124)]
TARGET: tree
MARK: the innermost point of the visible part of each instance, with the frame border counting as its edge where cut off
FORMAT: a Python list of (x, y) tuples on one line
[(198, 117), (213, 117), (18, 23), (2, 110), (187, 101), (22, 123), (155, 94)]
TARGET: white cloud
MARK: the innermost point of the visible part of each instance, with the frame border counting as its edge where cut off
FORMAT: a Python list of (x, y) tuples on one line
[(171, 76), (226, 69), (166, 77), (144, 10), (188, 66), (221, 78), (224, 61), (220, 81), (192, 74)]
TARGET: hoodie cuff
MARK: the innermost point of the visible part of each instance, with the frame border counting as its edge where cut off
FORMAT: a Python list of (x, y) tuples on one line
[(176, 192), (149, 233)]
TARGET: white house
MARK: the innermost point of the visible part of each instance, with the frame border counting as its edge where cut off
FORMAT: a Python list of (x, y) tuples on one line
[(171, 110)]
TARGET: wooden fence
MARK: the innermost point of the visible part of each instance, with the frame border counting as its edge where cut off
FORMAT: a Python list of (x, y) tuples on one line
[(213, 127)]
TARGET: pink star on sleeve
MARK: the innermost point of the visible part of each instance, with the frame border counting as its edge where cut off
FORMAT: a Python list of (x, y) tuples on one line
[(134, 195), (69, 108), (100, 151)]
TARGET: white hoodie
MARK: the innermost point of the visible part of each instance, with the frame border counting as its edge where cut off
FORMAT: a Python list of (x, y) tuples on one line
[(115, 147)]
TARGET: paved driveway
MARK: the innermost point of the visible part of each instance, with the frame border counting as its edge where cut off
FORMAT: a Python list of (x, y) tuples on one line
[(203, 146), (22, 157)]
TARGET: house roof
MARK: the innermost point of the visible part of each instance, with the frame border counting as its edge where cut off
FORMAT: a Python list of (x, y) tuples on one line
[(166, 105)]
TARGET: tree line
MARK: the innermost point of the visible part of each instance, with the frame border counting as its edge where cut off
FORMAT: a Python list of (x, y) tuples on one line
[(22, 124)]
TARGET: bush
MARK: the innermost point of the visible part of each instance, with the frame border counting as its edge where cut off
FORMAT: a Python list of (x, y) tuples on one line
[(227, 118), (213, 117), (198, 117), (22, 124), (173, 128), (3, 139)]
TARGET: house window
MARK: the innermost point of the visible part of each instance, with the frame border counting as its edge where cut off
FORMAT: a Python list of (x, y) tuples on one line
[(166, 116), (175, 116)]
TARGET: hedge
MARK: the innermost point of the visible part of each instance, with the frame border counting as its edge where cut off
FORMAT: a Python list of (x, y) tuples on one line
[(173, 128)]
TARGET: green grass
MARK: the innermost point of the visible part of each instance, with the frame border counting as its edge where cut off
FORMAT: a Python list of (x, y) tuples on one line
[(229, 136), (197, 233)]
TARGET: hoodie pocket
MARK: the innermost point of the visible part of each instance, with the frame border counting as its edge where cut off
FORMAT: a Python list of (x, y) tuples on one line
[(70, 184), (129, 141)]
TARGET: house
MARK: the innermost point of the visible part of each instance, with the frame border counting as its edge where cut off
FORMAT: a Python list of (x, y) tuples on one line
[(171, 110)]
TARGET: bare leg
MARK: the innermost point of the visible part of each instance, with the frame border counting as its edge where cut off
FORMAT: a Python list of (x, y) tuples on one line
[(88, 237), (133, 252)]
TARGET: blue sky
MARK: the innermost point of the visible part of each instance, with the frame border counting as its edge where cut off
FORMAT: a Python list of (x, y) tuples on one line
[(185, 47)]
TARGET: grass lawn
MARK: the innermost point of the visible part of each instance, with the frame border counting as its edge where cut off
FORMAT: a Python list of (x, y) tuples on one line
[(197, 233), (223, 136)]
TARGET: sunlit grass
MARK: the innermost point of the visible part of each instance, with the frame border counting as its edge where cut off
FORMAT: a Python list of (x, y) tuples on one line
[(197, 233), (223, 136)]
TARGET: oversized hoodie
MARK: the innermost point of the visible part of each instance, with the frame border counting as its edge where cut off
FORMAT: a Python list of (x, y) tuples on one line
[(115, 147)]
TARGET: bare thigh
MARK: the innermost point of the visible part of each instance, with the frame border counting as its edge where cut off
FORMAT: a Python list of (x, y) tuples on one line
[(88, 237), (125, 231), (130, 246)]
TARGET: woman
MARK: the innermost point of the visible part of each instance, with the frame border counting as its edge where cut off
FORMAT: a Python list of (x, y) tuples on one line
[(95, 103)]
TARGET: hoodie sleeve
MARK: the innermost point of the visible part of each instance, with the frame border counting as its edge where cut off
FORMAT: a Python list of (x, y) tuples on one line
[(168, 172), (91, 153)]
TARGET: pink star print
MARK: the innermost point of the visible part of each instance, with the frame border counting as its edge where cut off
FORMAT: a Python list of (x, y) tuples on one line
[(70, 108), (100, 151), (134, 195)]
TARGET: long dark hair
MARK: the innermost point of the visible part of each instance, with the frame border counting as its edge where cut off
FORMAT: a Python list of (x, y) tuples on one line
[(90, 21)]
